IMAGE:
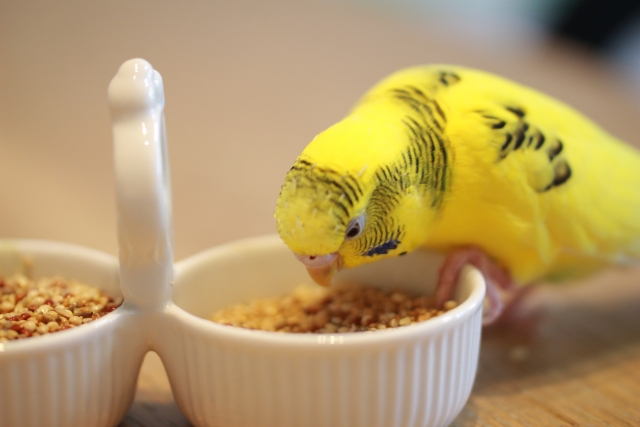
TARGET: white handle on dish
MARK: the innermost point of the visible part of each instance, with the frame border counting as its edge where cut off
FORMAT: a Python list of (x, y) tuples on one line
[(143, 189)]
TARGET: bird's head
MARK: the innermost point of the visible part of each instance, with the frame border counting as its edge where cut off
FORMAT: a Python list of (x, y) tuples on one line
[(342, 205)]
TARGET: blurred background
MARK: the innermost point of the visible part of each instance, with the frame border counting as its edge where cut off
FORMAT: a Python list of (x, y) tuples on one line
[(249, 83)]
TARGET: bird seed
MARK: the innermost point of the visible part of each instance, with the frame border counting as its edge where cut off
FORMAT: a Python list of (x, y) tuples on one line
[(311, 309), (29, 308)]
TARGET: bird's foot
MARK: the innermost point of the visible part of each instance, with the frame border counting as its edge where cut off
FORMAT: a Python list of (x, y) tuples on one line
[(496, 277), (520, 316)]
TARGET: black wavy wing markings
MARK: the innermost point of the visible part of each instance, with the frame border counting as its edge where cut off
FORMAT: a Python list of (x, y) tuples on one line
[(515, 133)]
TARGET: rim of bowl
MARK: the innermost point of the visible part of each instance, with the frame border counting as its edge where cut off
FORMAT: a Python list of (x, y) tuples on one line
[(461, 313), (65, 336)]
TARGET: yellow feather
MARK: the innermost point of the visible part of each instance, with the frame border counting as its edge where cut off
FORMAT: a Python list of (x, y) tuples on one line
[(444, 156)]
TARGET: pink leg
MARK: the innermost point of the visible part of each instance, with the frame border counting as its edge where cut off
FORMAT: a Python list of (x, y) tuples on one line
[(495, 276)]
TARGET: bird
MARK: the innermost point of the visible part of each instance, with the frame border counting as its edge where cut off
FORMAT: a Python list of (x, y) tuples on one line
[(483, 169)]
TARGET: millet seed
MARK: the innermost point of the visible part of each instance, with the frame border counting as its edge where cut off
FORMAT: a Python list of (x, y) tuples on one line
[(311, 309), (38, 307)]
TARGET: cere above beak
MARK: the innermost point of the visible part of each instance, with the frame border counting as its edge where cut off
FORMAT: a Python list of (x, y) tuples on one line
[(321, 268)]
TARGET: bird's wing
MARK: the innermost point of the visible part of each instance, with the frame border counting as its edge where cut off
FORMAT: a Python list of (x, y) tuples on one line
[(540, 152), (585, 183)]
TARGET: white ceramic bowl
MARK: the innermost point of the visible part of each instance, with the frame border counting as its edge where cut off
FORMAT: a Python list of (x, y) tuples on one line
[(84, 376), (417, 375)]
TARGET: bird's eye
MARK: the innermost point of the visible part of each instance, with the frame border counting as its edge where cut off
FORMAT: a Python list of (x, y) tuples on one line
[(355, 227)]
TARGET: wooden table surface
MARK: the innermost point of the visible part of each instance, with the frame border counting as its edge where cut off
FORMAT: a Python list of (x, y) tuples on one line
[(579, 367)]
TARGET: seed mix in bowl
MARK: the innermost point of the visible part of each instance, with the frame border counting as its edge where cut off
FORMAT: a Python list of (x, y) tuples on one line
[(29, 308), (312, 309)]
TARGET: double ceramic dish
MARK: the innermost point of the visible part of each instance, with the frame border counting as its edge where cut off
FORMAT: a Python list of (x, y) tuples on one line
[(418, 375)]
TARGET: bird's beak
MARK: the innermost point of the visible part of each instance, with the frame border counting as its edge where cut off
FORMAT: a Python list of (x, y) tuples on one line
[(321, 268), (324, 275)]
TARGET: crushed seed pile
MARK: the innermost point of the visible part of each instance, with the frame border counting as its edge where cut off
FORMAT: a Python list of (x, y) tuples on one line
[(312, 309), (29, 308)]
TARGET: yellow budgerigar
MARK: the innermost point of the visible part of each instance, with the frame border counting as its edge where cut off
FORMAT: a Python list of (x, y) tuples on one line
[(488, 171)]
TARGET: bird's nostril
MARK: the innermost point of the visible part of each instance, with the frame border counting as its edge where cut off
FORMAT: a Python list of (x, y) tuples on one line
[(317, 261)]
